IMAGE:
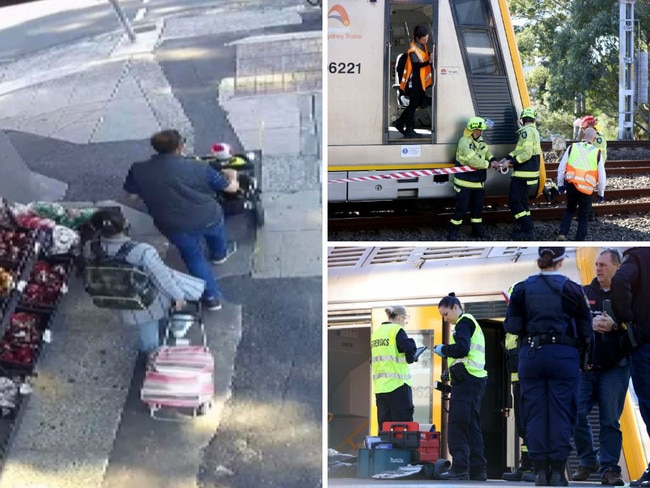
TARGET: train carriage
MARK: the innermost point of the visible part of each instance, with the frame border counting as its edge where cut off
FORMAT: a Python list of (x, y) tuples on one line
[(476, 71)]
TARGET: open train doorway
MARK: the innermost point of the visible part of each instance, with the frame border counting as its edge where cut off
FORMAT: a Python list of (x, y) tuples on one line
[(403, 17)]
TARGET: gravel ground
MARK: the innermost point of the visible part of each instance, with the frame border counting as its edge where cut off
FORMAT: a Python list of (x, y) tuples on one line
[(624, 228)]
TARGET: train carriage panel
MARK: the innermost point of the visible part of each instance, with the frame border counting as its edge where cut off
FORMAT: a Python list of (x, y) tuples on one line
[(355, 72)]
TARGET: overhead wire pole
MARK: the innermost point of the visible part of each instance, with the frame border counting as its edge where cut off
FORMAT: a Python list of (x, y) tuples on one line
[(125, 22), (626, 71)]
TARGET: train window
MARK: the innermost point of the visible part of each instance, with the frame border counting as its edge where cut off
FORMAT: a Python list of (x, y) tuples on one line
[(481, 53), (472, 12)]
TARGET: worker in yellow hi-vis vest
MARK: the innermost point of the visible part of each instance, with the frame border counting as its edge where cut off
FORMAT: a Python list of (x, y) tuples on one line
[(392, 352)]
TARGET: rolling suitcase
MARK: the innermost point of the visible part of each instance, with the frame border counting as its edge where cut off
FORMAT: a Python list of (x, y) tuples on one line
[(180, 377)]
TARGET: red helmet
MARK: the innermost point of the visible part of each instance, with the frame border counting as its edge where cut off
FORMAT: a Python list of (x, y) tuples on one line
[(588, 120)]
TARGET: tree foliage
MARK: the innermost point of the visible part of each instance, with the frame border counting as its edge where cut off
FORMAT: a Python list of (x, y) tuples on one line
[(571, 51)]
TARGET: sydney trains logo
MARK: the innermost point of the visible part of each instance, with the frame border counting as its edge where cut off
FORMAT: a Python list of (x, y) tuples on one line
[(338, 16), (337, 12)]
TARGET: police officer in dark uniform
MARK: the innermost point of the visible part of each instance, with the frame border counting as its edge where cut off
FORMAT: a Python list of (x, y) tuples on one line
[(466, 349), (551, 315), (630, 292)]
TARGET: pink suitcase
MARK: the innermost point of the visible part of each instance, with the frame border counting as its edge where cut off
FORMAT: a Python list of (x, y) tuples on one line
[(180, 377)]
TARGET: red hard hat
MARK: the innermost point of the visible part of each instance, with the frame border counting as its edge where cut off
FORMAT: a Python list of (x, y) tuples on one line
[(588, 120)]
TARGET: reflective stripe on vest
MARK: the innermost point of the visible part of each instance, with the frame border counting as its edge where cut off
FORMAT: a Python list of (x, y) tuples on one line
[(475, 359), (425, 71), (582, 167), (389, 367)]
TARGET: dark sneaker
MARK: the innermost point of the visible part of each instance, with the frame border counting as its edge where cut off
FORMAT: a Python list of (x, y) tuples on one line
[(582, 473), (612, 477), (211, 304), (478, 477), (231, 249), (453, 475), (645, 478)]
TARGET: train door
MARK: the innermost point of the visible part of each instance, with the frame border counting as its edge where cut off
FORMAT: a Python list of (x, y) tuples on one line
[(495, 401), (348, 386), (403, 16)]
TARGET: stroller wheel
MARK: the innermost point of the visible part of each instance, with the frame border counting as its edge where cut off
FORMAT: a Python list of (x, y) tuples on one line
[(203, 408)]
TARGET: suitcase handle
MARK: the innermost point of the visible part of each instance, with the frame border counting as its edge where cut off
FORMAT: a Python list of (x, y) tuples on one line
[(198, 312)]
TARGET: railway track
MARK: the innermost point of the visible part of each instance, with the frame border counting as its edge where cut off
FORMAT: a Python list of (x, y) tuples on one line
[(375, 215)]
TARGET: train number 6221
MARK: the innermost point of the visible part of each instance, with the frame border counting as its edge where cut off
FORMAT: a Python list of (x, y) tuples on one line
[(345, 68)]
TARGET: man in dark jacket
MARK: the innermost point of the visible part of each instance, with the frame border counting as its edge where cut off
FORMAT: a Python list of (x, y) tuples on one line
[(630, 292), (604, 383), (180, 196)]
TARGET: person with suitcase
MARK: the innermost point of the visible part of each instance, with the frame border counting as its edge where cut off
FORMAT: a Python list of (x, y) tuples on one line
[(161, 289)]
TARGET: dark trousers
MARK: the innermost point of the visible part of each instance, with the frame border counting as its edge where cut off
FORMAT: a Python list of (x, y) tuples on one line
[(581, 201), (395, 406), (407, 118), (549, 377), (518, 203), (464, 437), (471, 199)]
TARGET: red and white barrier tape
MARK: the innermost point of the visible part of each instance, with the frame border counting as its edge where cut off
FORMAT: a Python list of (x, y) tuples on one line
[(407, 174)]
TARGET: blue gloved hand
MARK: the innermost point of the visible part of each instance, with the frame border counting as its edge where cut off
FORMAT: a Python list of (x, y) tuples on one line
[(561, 189), (601, 199), (438, 350)]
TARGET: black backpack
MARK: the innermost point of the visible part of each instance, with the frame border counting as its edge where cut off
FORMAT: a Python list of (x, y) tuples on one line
[(114, 283)]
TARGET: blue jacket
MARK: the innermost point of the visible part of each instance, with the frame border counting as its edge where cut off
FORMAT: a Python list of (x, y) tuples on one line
[(179, 192)]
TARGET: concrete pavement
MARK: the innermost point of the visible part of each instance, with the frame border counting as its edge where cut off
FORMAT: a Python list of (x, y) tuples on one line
[(82, 426)]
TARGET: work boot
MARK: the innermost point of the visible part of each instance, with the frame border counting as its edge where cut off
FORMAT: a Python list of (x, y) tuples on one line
[(529, 477), (540, 468), (453, 475), (612, 477), (480, 476), (645, 478), (557, 476), (516, 475), (479, 232), (453, 234), (582, 473)]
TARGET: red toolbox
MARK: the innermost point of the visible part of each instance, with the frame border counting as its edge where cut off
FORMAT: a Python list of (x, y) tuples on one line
[(410, 426), (428, 450), (403, 435)]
